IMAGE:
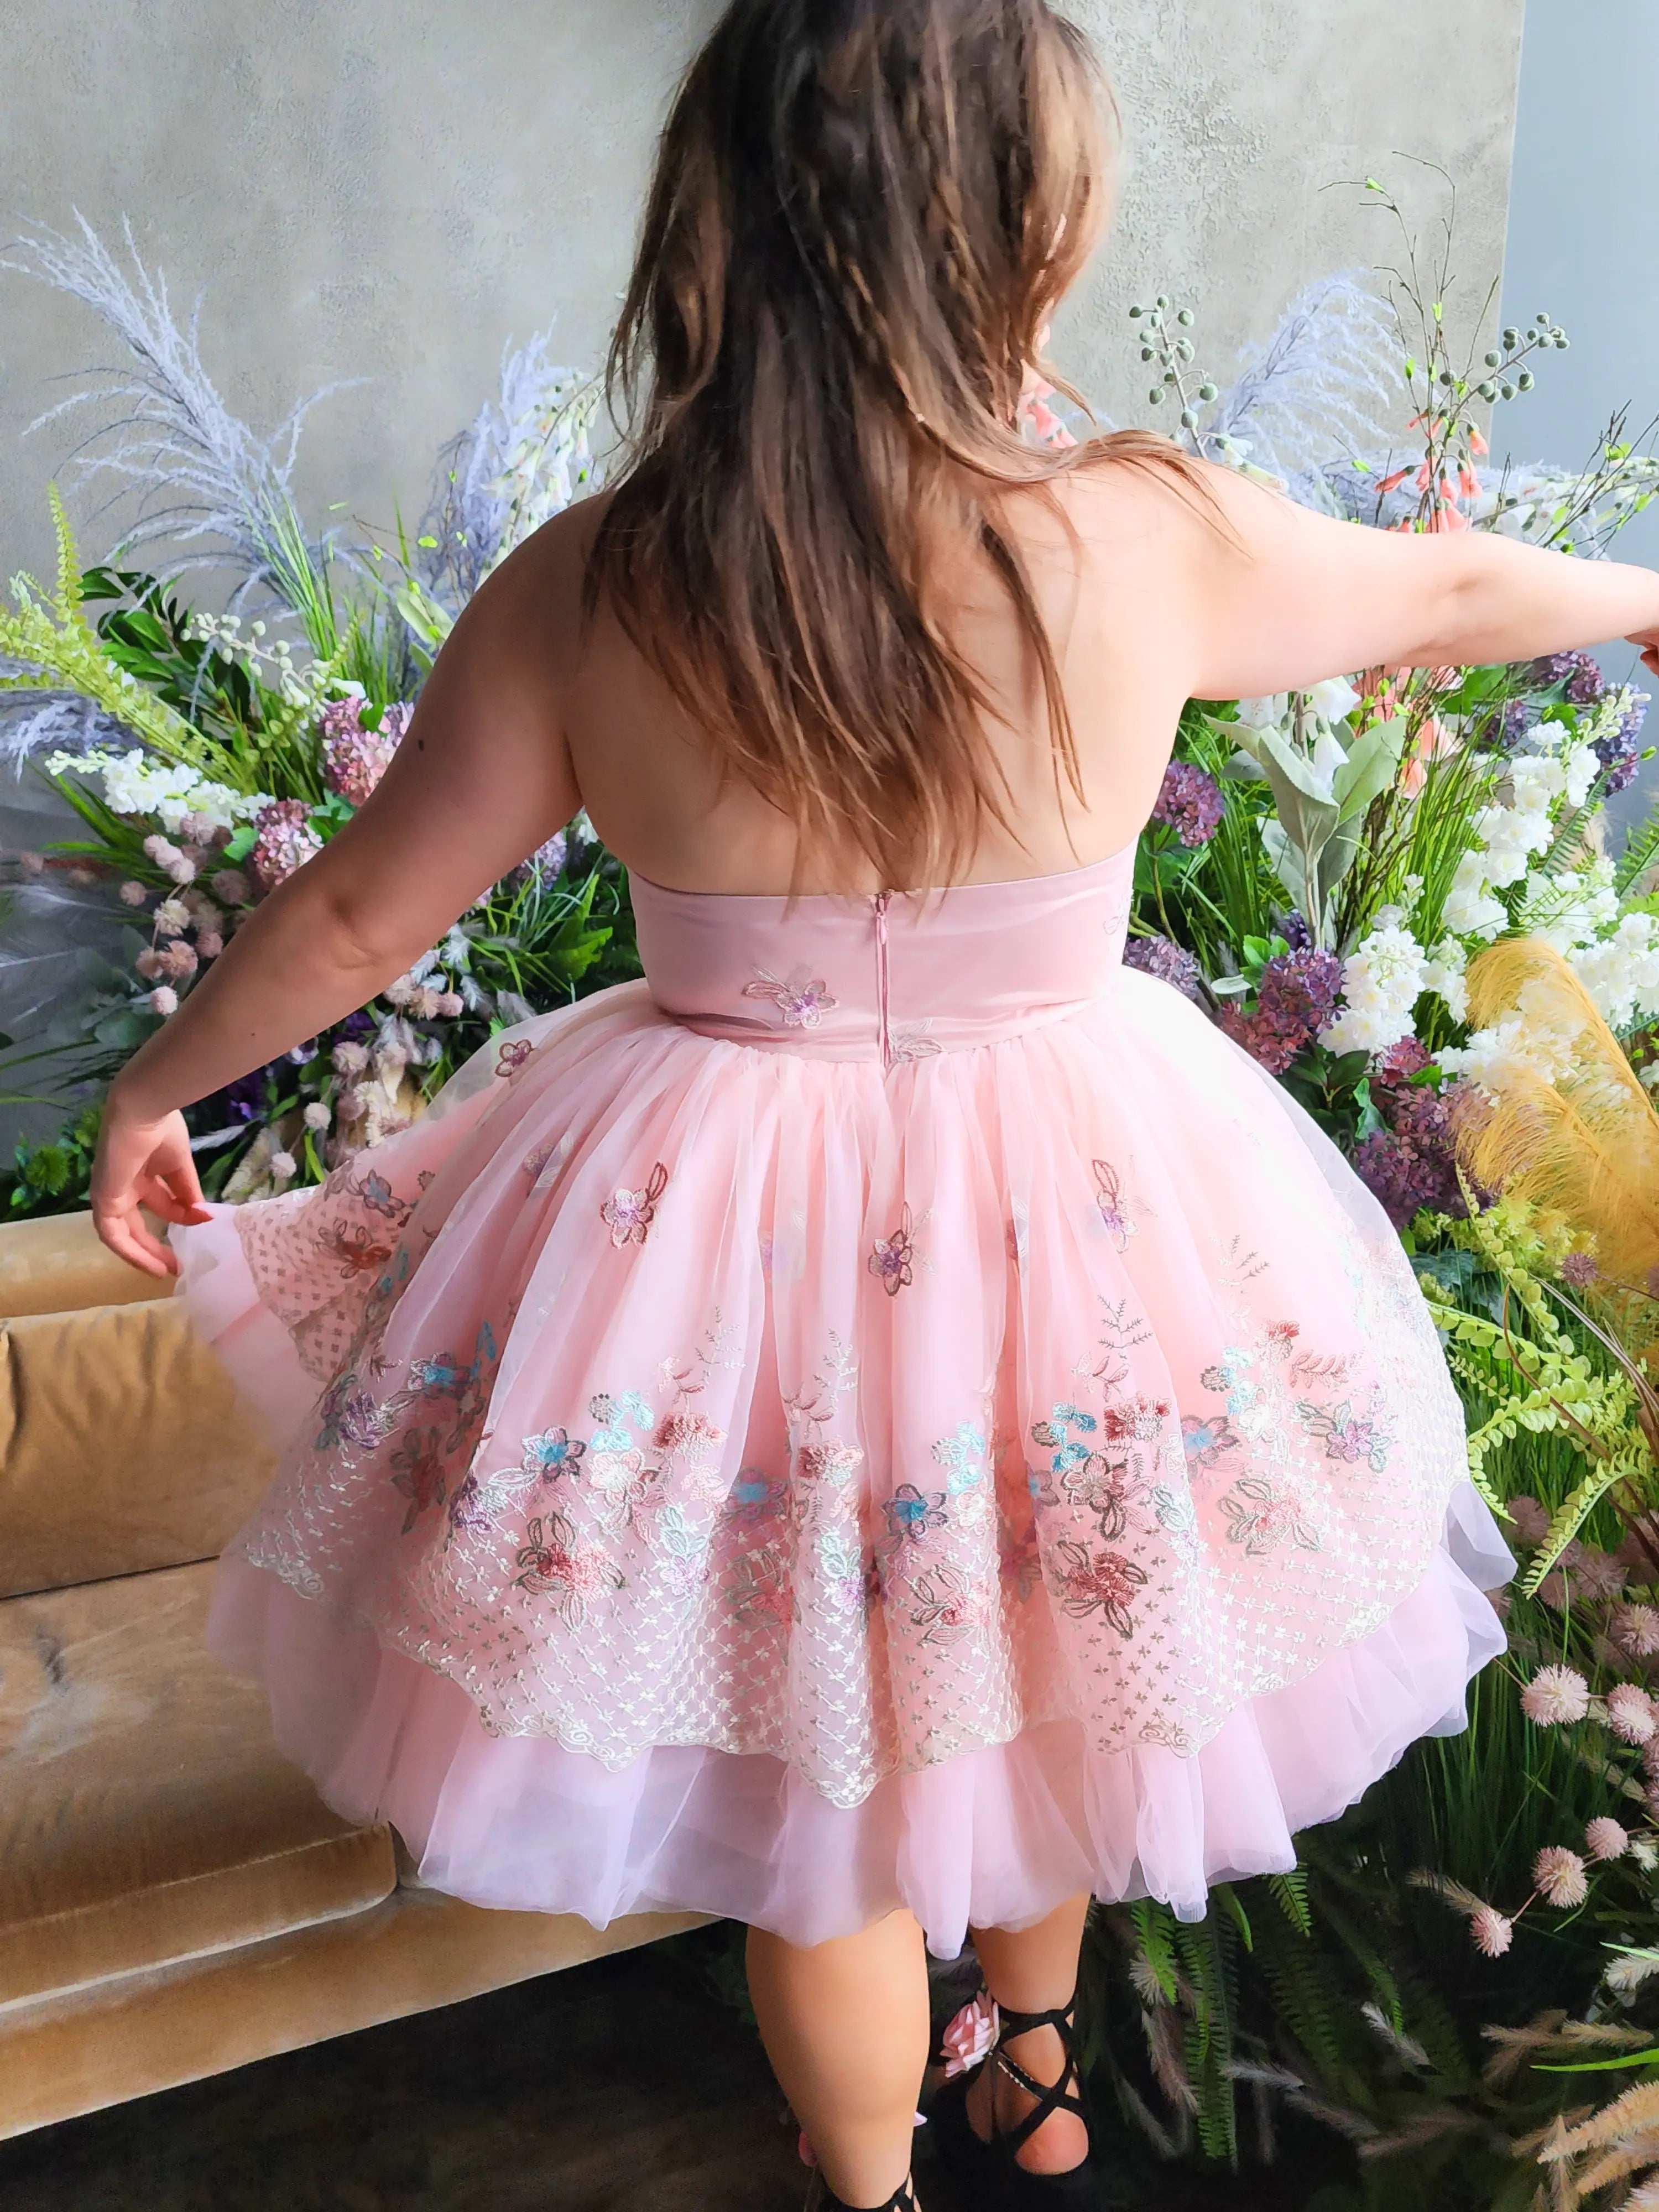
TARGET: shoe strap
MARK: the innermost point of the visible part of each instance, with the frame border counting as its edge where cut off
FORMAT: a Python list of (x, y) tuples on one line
[(1052, 2097)]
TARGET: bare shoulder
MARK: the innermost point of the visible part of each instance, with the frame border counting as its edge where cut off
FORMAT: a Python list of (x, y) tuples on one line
[(531, 605)]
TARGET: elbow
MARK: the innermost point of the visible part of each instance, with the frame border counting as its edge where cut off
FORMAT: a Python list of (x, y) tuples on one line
[(343, 931)]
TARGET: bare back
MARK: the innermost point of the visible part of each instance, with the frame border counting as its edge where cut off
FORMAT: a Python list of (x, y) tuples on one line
[(651, 788)]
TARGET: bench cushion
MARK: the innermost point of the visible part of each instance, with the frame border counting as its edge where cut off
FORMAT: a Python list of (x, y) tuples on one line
[(121, 1446), (56, 1263), (145, 1815)]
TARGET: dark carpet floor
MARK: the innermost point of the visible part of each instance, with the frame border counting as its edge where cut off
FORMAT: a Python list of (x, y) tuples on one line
[(628, 2085)]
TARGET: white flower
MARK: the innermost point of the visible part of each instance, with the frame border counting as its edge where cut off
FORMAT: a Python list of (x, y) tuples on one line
[(1583, 767), (1328, 756), (172, 918), (1334, 699), (1443, 972), (164, 1001), (1555, 1695), (1381, 981), (1621, 972), (1470, 909), (284, 1166), (1264, 714), (317, 1116)]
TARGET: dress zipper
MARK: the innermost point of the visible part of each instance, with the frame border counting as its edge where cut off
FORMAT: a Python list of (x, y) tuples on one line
[(879, 899)]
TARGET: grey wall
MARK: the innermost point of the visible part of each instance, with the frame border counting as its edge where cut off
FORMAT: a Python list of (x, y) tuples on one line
[(390, 188), (1583, 244)]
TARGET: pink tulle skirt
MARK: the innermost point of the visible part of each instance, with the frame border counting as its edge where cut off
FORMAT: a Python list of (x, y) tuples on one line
[(789, 1476)]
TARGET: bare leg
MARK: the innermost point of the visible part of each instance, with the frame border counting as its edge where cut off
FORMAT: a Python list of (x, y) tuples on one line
[(1034, 1970), (847, 2028)]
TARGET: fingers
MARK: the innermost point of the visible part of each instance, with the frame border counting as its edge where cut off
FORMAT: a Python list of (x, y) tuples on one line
[(163, 1194), (127, 1237)]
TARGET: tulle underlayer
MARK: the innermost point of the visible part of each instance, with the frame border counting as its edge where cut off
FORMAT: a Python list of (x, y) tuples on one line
[(1098, 1162)]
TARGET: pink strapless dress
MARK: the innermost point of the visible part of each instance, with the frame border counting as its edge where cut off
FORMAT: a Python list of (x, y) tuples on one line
[(894, 1407)]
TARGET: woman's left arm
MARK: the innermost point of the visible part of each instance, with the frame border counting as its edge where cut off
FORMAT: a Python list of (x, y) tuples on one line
[(481, 779)]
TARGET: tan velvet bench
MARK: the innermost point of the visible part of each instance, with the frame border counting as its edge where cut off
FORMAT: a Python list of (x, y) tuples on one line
[(174, 1899)]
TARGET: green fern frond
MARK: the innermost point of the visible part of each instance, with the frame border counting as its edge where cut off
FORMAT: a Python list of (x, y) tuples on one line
[(59, 650), (1290, 1892)]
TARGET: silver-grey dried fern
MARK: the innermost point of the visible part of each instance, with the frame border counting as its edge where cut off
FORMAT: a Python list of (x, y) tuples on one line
[(207, 484)]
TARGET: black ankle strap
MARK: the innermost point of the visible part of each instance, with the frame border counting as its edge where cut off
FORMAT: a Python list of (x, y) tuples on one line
[(1051, 2096)]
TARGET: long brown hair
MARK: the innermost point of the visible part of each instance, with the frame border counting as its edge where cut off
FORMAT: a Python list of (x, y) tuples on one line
[(861, 215)]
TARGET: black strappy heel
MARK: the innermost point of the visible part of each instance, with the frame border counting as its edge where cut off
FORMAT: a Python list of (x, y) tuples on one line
[(991, 2170), (820, 2198)]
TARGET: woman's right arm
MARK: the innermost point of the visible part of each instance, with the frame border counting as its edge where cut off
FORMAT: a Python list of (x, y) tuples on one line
[(1277, 598)]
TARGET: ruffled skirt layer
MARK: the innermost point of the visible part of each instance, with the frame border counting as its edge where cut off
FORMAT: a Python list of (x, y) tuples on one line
[(1003, 1602)]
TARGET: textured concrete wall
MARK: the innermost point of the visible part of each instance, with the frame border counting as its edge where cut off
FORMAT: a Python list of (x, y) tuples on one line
[(390, 188)]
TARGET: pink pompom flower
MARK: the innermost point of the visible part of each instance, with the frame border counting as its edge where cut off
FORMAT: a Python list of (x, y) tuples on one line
[(970, 2034), (1605, 1838), (1629, 1713), (1492, 1933), (133, 893), (148, 965), (1559, 1875), (1637, 1628), (177, 960), (1554, 1696), (164, 1001)]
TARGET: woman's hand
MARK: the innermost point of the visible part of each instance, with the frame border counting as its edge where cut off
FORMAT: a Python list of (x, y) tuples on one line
[(1647, 641), (142, 1163)]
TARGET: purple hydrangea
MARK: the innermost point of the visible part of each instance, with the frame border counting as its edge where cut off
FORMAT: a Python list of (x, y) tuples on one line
[(1410, 1163), (1295, 999), (1295, 931), (1581, 675), (1620, 750), (1190, 801), (354, 758), (1169, 962), (1519, 716)]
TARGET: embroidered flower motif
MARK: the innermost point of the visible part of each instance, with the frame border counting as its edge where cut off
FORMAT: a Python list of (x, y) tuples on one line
[(553, 1565), (1206, 1440), (1262, 1518), (801, 999), (682, 1551), (625, 1485), (910, 1041), (754, 1496), (1281, 1335), (949, 1607), (965, 1454), (553, 1453), (630, 1212), (1108, 1197), (351, 1416), (851, 1584), (376, 1193), (1098, 1582), (512, 1056), (830, 1463), (1346, 1437), (889, 1261), (686, 1433), (913, 1513), (417, 1468), (1138, 1421), (757, 1588), (552, 1155), (1178, 1517), (1102, 1487), (356, 1250)]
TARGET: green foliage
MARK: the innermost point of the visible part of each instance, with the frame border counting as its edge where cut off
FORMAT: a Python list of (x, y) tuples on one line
[(58, 648), (51, 1176)]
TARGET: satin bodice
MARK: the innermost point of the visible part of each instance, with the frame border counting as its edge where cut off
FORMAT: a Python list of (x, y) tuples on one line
[(886, 976)]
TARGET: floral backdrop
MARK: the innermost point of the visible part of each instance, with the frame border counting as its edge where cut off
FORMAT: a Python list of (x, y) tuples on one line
[(1399, 894)]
